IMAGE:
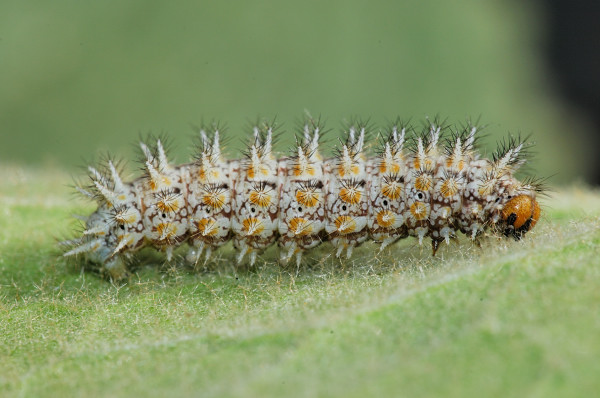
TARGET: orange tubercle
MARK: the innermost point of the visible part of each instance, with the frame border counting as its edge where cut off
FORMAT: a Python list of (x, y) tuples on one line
[(166, 230), (449, 188), (214, 200), (345, 224), (304, 170), (256, 171), (423, 182), (260, 198), (307, 198), (167, 205), (207, 226), (252, 226), (393, 167), (348, 169), (385, 218), (299, 226), (419, 211), (350, 195), (392, 190)]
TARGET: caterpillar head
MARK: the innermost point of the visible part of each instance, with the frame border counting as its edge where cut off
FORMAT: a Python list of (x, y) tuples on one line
[(519, 215)]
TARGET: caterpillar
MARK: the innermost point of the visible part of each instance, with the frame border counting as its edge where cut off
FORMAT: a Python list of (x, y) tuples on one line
[(428, 182)]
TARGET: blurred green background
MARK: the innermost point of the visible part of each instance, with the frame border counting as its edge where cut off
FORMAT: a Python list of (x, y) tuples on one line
[(81, 77)]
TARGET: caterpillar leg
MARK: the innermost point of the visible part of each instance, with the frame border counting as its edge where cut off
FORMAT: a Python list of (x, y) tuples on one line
[(169, 253), (298, 258), (253, 256), (115, 268), (421, 232), (285, 257), (386, 242), (435, 244), (349, 251), (446, 235), (339, 251), (243, 249), (474, 233), (193, 254), (208, 254)]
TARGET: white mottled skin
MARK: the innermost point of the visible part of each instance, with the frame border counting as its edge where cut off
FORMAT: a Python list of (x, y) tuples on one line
[(428, 191)]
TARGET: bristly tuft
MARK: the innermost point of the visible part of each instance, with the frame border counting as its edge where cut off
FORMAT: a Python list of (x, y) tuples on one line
[(512, 153)]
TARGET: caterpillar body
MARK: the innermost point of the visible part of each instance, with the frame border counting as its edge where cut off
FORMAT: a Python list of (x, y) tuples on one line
[(432, 184)]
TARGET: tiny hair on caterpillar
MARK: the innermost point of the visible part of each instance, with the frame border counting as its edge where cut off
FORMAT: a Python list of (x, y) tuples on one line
[(424, 182)]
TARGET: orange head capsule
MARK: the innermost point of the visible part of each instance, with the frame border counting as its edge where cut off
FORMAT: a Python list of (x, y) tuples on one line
[(519, 215)]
